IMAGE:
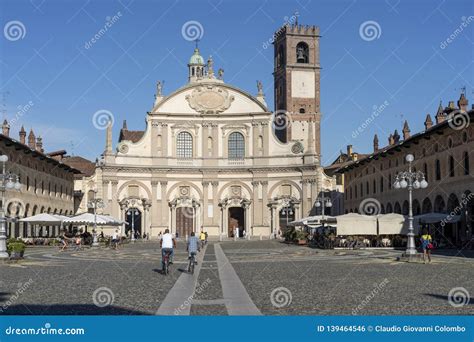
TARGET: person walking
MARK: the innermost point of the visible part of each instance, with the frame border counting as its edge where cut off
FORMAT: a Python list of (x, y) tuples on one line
[(426, 245)]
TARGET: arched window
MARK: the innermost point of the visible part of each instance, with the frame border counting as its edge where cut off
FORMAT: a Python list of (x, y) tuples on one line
[(302, 111), (302, 53), (381, 184), (236, 146), (466, 163), (184, 145), (425, 171)]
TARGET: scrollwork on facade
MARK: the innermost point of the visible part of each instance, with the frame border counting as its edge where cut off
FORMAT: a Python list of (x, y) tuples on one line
[(209, 99), (123, 148)]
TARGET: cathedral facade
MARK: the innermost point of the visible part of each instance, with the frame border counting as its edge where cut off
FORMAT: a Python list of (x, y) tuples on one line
[(215, 158)]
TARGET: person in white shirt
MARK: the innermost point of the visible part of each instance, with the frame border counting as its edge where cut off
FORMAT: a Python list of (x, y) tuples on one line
[(167, 244), (115, 239)]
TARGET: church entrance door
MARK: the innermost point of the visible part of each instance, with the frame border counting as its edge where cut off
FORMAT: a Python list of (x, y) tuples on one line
[(236, 219), (184, 221)]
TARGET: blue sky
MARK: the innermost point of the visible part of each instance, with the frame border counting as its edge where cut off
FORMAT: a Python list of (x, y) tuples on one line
[(407, 67)]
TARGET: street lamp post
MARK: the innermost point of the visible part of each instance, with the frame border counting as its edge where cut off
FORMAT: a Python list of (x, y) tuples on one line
[(411, 180), (287, 209), (94, 204), (132, 212), (323, 203), (8, 181)]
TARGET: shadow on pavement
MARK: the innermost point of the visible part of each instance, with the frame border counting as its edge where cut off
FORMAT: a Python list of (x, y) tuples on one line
[(68, 309), (469, 301), (462, 253)]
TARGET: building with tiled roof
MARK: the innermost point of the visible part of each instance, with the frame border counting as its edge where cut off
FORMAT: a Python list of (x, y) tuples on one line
[(47, 183), (443, 151)]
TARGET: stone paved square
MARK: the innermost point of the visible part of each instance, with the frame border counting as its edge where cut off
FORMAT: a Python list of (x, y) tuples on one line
[(247, 277)]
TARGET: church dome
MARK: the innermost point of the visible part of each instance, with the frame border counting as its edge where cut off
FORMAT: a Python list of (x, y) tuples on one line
[(196, 58)]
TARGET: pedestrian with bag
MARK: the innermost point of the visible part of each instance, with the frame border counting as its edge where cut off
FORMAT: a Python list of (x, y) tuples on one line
[(426, 245)]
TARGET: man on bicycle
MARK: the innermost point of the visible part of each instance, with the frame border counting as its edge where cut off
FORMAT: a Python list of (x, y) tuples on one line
[(167, 243), (193, 246)]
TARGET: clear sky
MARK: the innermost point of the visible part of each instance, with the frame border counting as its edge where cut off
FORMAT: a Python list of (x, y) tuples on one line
[(51, 81)]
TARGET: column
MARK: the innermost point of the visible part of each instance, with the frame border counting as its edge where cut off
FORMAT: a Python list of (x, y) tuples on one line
[(173, 218), (155, 210), (274, 215), (215, 202), (164, 204), (304, 197), (314, 193), (164, 141), (265, 211), (123, 207), (114, 205), (248, 228), (215, 141), (255, 220), (205, 191)]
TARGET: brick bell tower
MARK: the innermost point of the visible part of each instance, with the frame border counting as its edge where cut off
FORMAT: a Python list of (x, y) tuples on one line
[(297, 78)]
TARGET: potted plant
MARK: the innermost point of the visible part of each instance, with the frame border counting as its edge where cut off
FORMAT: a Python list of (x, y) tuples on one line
[(301, 237), (16, 249)]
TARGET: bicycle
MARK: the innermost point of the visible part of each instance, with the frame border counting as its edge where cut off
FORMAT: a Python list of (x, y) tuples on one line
[(166, 263), (192, 262)]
